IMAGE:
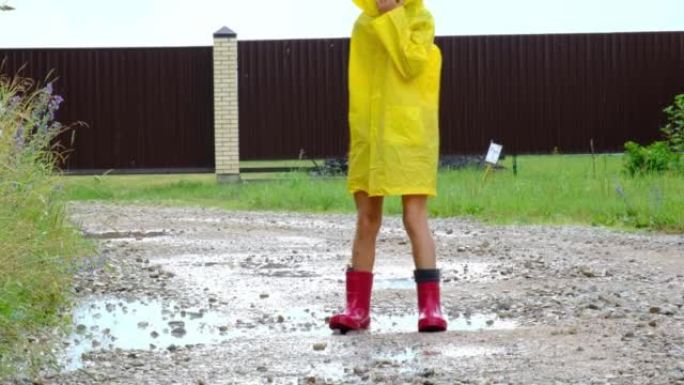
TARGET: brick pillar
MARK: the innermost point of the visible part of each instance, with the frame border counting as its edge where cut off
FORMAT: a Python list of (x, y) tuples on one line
[(226, 112)]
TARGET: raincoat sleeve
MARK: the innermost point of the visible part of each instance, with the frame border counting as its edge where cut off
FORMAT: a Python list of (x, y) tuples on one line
[(408, 40)]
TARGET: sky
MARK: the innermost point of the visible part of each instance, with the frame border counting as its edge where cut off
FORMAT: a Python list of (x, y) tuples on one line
[(134, 23)]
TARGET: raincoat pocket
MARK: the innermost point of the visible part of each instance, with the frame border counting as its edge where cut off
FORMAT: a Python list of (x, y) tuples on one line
[(404, 125)]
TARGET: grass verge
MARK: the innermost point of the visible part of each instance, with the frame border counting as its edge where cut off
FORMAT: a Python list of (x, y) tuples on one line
[(38, 248), (548, 190)]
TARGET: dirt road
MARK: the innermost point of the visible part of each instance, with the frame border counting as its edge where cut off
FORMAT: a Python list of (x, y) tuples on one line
[(198, 296)]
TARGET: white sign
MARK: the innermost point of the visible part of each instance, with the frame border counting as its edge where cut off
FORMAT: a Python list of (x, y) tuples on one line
[(494, 153)]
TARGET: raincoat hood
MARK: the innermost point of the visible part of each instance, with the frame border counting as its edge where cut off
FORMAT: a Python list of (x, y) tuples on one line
[(370, 7)]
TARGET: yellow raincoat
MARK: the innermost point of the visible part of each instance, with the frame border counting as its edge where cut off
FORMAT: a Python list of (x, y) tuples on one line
[(394, 79)]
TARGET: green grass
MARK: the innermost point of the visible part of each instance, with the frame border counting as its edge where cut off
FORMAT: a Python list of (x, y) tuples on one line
[(38, 248), (37, 261), (548, 189)]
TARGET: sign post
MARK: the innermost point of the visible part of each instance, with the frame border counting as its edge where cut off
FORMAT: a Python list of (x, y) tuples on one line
[(492, 159)]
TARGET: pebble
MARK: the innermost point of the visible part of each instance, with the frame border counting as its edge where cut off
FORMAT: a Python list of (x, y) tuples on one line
[(359, 371), (320, 346)]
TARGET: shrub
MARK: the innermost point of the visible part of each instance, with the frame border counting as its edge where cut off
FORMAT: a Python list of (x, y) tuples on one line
[(655, 158), (38, 245), (674, 130), (664, 155)]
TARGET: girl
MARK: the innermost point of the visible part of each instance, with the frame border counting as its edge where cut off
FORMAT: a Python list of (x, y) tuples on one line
[(394, 78)]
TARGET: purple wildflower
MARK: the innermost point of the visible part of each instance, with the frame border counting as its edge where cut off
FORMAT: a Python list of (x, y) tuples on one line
[(14, 102), (54, 103)]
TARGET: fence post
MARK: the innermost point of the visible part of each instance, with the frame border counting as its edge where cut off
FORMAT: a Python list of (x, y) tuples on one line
[(226, 111)]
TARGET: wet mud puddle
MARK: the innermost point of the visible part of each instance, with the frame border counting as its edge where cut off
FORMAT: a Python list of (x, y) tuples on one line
[(106, 324)]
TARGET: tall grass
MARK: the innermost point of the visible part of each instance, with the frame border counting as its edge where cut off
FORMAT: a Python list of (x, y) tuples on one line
[(566, 190), (549, 189), (37, 247)]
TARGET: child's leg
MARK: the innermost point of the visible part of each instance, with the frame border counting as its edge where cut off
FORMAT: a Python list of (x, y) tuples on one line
[(418, 230), (430, 318), (359, 286), (369, 220)]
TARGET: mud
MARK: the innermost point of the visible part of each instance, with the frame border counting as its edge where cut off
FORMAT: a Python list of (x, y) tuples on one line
[(199, 296)]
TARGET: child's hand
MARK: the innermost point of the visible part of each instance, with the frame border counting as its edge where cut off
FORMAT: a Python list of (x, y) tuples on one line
[(385, 6)]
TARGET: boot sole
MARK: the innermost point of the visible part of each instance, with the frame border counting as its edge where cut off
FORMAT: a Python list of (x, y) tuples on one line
[(432, 329), (343, 328)]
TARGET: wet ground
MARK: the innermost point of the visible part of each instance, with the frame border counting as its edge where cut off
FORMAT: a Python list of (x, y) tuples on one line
[(197, 296)]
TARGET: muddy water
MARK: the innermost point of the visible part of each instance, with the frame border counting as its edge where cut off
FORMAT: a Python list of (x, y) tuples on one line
[(129, 324), (116, 323), (245, 292)]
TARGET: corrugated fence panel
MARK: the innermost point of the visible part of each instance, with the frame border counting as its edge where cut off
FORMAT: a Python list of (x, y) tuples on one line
[(149, 108), (533, 93), (293, 97), (152, 107), (537, 93)]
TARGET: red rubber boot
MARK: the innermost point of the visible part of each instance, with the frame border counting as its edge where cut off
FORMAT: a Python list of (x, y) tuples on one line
[(357, 314), (430, 309)]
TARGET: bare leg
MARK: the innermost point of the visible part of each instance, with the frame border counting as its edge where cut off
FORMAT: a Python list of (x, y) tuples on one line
[(418, 230), (369, 220)]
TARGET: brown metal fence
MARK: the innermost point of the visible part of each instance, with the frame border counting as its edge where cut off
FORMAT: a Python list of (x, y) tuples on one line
[(152, 107), (536, 93), (533, 93), (146, 108), (293, 96)]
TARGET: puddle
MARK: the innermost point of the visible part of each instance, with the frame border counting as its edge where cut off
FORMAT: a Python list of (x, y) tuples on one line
[(313, 322), (394, 283), (465, 351), (200, 267), (400, 276), (184, 241), (408, 323), (124, 234), (115, 323), (450, 351), (466, 271), (137, 325)]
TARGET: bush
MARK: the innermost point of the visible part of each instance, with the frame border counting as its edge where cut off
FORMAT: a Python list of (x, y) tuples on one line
[(38, 245), (674, 130), (663, 155), (655, 158)]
